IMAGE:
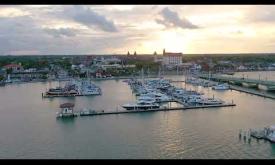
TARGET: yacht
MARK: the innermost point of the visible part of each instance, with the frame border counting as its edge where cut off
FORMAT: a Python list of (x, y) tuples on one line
[(194, 99), (140, 106), (224, 86), (159, 97), (55, 91), (146, 99), (270, 133), (87, 112), (210, 101), (87, 88)]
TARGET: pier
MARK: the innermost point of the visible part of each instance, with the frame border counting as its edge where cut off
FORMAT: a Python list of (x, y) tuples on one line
[(102, 112), (251, 91), (258, 83)]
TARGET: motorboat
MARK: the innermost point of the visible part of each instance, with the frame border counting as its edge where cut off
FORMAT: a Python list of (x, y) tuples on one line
[(55, 91), (87, 88), (87, 112), (194, 99), (146, 99), (210, 101), (140, 106), (224, 86), (271, 133)]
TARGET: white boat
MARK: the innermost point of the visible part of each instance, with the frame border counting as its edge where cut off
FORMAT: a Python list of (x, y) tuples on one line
[(87, 88), (210, 101), (224, 86), (146, 99), (159, 97), (271, 133), (194, 99), (86, 112)]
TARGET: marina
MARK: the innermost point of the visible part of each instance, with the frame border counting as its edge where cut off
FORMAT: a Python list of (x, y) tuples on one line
[(38, 118), (267, 133)]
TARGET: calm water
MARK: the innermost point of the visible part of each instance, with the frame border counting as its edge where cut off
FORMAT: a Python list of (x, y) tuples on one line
[(29, 128), (266, 75)]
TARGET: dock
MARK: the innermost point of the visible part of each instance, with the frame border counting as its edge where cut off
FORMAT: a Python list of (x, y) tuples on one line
[(251, 91), (65, 95), (102, 112)]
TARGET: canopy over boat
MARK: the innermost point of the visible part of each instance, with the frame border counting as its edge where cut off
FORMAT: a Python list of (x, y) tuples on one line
[(67, 105)]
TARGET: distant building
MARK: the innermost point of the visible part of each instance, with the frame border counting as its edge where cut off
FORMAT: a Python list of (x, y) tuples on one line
[(2, 73), (171, 58), (14, 67), (168, 58)]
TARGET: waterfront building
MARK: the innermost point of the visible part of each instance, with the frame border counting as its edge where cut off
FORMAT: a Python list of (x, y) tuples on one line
[(169, 59), (172, 58), (67, 110), (14, 67)]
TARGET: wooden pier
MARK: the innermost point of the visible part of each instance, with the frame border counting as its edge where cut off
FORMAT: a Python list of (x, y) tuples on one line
[(160, 109)]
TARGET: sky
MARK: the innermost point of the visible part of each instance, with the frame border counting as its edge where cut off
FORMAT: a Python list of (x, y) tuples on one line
[(117, 29)]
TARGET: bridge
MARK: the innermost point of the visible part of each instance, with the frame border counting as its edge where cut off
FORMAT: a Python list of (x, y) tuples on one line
[(246, 82)]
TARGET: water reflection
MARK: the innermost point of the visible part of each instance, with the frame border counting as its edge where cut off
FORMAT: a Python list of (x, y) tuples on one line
[(66, 122)]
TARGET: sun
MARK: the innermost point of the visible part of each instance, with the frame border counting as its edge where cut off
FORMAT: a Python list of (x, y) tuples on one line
[(171, 41)]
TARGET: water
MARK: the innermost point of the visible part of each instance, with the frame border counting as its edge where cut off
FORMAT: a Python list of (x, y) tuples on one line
[(29, 128)]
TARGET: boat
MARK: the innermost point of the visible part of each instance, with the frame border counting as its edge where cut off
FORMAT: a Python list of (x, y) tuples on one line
[(87, 112), (159, 97), (146, 99), (193, 99), (87, 88), (210, 101), (140, 106), (55, 91), (75, 88), (224, 86), (270, 133)]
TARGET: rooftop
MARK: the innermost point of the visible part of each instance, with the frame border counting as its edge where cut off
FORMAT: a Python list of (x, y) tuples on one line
[(67, 105)]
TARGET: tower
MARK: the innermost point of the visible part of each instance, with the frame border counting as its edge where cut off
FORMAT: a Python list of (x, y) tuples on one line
[(163, 51)]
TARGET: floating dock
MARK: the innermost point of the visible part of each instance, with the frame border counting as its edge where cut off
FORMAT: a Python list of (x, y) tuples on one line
[(65, 95), (102, 112)]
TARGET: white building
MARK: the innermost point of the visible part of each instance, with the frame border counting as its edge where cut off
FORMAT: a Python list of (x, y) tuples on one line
[(171, 58)]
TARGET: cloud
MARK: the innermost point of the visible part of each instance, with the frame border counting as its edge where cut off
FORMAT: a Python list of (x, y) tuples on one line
[(90, 18), (61, 32), (172, 19)]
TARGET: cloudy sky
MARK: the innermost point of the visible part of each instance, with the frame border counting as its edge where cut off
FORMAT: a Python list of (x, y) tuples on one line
[(108, 29)]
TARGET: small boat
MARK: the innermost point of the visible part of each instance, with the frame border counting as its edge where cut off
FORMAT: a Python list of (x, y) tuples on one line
[(224, 86), (210, 101), (87, 112), (55, 91)]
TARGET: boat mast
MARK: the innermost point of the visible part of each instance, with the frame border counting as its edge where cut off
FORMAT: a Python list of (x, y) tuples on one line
[(159, 72), (142, 75)]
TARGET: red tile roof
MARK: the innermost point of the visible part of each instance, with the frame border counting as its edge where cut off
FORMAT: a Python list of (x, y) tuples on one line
[(67, 105), (12, 66), (173, 54)]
